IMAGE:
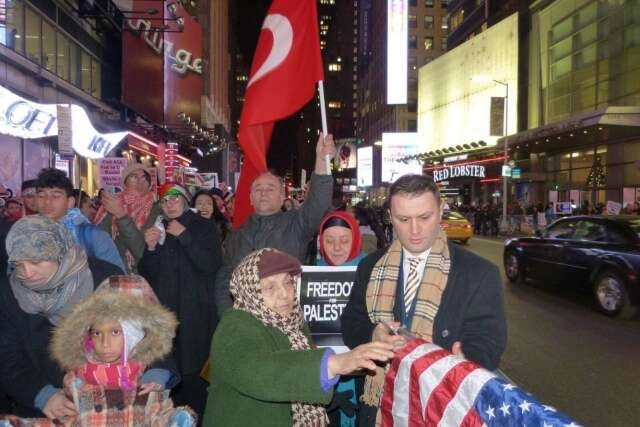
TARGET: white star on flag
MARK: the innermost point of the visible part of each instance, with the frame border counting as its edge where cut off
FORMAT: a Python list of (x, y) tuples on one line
[(490, 412), (508, 387), (524, 406), (549, 408), (572, 425), (505, 409)]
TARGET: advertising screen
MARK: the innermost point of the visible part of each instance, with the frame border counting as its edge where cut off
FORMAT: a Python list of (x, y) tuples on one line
[(365, 167), (397, 39), (396, 146)]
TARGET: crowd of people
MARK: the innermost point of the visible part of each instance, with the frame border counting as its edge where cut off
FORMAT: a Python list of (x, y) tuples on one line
[(175, 317)]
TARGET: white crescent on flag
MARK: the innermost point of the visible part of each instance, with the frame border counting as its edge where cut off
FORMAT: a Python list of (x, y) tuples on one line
[(282, 32)]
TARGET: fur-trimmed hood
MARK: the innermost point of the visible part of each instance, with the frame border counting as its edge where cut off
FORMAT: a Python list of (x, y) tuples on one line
[(120, 298)]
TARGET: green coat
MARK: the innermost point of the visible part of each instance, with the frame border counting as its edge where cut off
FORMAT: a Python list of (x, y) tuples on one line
[(255, 375)]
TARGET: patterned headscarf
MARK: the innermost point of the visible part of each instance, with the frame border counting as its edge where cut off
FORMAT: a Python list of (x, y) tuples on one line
[(247, 293), (37, 238)]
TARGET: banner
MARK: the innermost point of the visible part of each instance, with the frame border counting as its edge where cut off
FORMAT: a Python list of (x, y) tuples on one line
[(26, 119), (323, 293)]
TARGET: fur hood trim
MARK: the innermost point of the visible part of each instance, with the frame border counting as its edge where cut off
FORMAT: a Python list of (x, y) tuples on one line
[(112, 301)]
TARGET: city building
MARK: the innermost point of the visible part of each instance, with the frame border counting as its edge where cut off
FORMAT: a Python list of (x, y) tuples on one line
[(582, 142), (426, 39), (52, 53), (468, 18)]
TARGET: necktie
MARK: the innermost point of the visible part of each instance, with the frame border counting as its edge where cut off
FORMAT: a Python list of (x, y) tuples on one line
[(412, 283)]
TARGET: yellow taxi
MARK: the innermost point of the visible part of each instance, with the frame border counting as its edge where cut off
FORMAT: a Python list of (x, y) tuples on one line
[(456, 226)]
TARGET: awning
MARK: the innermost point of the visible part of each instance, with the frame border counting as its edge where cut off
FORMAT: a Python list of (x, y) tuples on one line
[(625, 119)]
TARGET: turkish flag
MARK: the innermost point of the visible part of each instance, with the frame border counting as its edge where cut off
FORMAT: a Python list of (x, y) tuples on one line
[(286, 66)]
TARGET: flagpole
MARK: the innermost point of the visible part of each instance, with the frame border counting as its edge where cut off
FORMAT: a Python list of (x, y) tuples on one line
[(323, 116)]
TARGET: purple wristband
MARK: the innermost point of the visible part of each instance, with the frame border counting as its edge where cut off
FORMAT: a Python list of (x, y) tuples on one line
[(325, 382)]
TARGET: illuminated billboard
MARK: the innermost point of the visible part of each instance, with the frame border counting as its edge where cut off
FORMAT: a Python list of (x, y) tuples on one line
[(396, 146), (365, 167), (456, 90), (397, 51)]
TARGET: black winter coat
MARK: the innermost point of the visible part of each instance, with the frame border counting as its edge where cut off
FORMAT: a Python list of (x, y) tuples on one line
[(25, 364), (471, 309), (182, 273)]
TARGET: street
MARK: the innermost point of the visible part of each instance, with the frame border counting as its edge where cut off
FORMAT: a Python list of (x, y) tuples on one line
[(565, 353)]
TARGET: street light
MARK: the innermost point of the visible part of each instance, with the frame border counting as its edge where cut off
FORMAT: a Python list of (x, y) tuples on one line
[(504, 224)]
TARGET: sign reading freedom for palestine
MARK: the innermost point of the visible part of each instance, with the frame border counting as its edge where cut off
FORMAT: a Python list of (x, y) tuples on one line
[(323, 293), (459, 171)]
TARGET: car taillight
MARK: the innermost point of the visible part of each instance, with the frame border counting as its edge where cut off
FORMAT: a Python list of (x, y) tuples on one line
[(467, 226)]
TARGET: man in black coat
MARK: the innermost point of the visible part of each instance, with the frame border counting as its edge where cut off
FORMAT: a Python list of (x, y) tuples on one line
[(455, 302)]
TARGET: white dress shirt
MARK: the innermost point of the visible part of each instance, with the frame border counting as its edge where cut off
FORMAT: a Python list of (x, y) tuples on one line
[(405, 264)]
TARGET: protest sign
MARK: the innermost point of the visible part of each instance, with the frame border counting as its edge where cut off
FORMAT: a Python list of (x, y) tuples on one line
[(323, 293), (109, 170)]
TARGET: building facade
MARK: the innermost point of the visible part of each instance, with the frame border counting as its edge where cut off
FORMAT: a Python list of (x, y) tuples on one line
[(583, 112)]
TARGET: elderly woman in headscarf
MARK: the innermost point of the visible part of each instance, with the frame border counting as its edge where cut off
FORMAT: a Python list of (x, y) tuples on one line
[(49, 275), (264, 369), (180, 263), (340, 240), (128, 214)]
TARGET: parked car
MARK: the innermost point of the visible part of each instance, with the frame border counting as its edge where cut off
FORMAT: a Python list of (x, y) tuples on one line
[(601, 253), (456, 226)]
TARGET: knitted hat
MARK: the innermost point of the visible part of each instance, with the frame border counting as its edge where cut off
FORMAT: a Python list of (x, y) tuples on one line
[(273, 261), (173, 189), (38, 238), (131, 167)]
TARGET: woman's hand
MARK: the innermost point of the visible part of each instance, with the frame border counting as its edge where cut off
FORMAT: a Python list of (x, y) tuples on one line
[(152, 237), (149, 387), (113, 205), (362, 357), (59, 407)]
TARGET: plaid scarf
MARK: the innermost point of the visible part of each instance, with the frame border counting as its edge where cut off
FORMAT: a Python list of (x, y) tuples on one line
[(247, 293), (381, 295)]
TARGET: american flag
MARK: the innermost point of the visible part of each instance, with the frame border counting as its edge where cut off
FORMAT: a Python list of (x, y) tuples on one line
[(428, 386)]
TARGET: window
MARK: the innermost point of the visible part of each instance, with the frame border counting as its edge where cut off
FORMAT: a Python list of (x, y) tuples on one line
[(48, 47), (62, 62), (428, 43), (413, 21), (13, 36), (428, 22), (412, 125), (33, 36), (561, 230), (428, 3), (96, 78), (85, 72), (591, 231), (74, 64), (413, 42), (335, 104), (443, 44), (335, 67)]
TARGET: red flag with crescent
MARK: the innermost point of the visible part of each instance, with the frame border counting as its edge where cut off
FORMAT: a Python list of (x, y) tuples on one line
[(286, 66)]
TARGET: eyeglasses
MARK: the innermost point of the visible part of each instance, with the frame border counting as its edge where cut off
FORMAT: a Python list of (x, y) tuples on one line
[(170, 199), (136, 176)]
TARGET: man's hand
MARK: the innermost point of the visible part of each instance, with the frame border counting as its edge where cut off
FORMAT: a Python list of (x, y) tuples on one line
[(113, 205), (456, 349), (152, 237), (324, 147), (175, 228), (362, 357), (149, 387), (381, 333), (59, 407)]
